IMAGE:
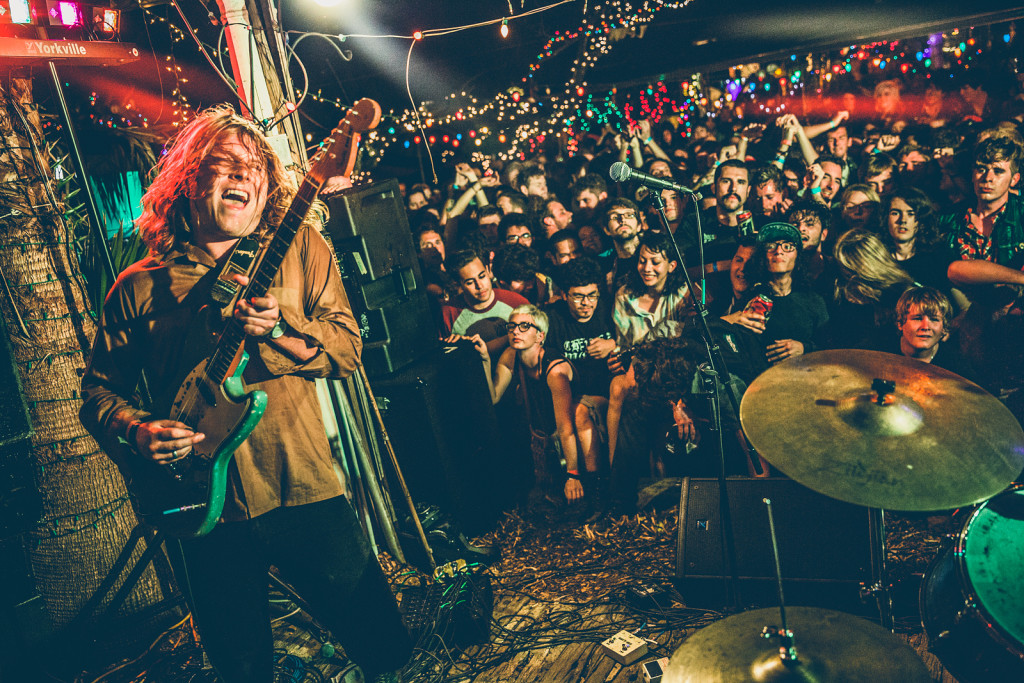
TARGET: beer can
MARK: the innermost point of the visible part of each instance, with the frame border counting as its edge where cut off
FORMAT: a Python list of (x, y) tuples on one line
[(762, 303)]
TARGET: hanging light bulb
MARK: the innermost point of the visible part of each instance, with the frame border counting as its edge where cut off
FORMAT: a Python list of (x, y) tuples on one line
[(504, 28)]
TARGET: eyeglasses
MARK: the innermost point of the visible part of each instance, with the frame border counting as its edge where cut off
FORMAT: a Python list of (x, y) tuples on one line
[(784, 247), (580, 298), (523, 326), (512, 239), (619, 217)]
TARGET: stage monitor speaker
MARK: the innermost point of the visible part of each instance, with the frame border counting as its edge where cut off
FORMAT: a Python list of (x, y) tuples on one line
[(381, 272), (824, 545), (442, 425)]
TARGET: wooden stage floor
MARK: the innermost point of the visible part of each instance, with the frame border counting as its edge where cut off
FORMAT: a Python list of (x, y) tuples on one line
[(560, 588)]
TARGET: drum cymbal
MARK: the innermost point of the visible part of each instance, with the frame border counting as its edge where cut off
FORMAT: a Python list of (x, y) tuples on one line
[(831, 646), (936, 441)]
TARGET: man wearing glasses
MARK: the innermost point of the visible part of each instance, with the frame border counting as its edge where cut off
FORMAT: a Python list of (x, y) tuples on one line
[(514, 228), (580, 330), (622, 225), (797, 314)]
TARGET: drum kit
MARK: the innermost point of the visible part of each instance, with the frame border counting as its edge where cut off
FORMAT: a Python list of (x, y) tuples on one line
[(889, 433)]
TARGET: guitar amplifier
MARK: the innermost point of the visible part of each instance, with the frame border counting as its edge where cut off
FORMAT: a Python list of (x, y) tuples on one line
[(824, 546), (381, 272)]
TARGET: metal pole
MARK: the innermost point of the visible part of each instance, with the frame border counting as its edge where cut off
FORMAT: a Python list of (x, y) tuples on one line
[(90, 201)]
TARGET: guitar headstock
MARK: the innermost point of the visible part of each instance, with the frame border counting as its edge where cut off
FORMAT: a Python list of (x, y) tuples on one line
[(337, 154)]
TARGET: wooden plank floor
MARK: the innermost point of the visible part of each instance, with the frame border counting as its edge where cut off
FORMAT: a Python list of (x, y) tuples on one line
[(558, 592)]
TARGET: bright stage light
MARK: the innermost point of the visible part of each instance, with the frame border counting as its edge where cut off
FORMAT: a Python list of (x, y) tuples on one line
[(331, 3), (20, 13), (70, 13)]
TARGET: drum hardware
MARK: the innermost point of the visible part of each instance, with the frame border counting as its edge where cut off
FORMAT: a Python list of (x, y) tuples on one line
[(787, 650), (885, 432)]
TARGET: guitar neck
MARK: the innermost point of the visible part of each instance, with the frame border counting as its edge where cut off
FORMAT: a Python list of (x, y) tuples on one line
[(222, 360)]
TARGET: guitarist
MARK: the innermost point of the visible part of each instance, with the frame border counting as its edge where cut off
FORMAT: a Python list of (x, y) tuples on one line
[(219, 182)]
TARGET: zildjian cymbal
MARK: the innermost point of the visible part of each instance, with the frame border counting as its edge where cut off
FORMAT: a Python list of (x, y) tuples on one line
[(882, 430), (828, 646)]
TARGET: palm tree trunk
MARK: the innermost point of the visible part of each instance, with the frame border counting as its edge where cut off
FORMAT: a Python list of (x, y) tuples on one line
[(86, 516)]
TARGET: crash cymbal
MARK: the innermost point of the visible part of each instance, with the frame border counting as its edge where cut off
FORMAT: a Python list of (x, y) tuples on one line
[(935, 441), (830, 646)]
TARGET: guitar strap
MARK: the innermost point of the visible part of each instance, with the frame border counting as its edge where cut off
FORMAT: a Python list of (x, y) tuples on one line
[(225, 290)]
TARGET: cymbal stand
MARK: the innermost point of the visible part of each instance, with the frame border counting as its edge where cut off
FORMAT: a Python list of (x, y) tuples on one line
[(787, 650), (879, 589)]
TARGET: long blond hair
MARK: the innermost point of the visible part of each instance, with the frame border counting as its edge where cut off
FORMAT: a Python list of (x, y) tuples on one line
[(866, 268), (176, 173)]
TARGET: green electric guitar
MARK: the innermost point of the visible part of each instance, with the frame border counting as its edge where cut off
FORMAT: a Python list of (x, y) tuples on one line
[(186, 498)]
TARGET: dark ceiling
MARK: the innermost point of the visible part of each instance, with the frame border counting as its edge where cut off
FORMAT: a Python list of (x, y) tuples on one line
[(677, 42)]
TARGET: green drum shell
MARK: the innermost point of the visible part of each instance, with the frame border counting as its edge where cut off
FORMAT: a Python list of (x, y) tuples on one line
[(972, 596), (989, 554)]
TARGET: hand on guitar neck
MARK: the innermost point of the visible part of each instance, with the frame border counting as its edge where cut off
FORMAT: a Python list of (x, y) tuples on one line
[(261, 315)]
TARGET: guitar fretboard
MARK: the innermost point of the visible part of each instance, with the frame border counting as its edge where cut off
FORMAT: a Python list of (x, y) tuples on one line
[(219, 368)]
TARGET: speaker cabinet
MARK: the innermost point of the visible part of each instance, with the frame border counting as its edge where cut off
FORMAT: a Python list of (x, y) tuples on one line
[(381, 272), (442, 425), (824, 545)]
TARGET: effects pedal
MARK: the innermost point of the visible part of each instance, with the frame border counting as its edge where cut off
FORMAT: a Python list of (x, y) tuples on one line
[(654, 670), (625, 648), (645, 596)]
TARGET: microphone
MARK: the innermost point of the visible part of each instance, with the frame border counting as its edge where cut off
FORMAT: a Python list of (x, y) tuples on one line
[(621, 172)]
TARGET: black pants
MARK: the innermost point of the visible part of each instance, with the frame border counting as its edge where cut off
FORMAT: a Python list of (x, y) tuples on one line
[(321, 551)]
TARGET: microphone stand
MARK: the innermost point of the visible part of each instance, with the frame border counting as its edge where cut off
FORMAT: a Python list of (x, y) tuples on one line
[(720, 370)]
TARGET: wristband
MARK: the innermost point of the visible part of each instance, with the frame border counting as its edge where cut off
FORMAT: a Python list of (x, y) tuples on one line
[(714, 266), (816, 190), (573, 474), (832, 124), (648, 140), (131, 433)]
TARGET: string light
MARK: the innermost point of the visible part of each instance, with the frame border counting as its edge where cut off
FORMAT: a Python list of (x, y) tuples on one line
[(516, 120)]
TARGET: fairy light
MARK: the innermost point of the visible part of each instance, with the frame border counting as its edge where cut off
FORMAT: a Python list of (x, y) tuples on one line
[(519, 118)]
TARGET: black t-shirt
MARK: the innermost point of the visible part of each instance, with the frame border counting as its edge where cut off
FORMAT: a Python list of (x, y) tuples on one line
[(798, 315), (568, 338), (620, 268), (947, 357), (928, 267), (719, 240)]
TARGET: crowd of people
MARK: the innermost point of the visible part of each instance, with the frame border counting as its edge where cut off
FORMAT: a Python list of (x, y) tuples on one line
[(896, 227)]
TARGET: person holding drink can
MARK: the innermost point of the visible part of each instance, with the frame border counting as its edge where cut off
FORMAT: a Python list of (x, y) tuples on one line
[(780, 307)]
